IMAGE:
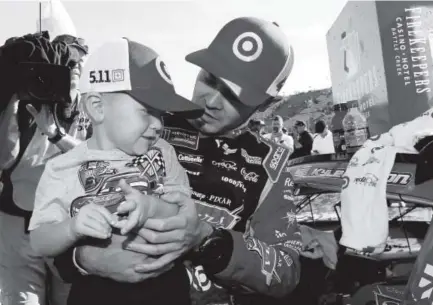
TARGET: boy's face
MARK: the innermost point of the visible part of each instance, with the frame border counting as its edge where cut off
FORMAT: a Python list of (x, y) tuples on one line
[(130, 126)]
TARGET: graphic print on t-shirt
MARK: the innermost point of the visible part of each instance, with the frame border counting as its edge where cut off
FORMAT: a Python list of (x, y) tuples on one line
[(100, 180)]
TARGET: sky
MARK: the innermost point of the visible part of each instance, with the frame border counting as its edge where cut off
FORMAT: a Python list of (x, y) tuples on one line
[(176, 28)]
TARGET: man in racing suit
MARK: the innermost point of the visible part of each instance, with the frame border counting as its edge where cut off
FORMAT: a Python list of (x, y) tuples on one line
[(245, 244)]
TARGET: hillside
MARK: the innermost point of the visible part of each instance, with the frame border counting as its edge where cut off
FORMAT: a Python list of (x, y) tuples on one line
[(307, 106)]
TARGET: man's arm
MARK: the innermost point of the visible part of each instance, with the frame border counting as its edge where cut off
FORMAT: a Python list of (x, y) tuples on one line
[(266, 258), (9, 134), (45, 121)]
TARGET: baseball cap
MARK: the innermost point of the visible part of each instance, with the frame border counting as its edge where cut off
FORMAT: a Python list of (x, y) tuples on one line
[(251, 56), (127, 66), (73, 41)]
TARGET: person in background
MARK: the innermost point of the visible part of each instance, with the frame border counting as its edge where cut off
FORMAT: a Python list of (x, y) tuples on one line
[(278, 136), (323, 142), (303, 140), (29, 137)]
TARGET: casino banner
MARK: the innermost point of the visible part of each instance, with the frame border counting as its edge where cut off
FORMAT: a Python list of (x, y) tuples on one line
[(380, 54)]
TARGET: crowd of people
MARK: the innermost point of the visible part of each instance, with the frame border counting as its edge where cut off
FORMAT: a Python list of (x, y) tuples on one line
[(301, 142), (126, 193)]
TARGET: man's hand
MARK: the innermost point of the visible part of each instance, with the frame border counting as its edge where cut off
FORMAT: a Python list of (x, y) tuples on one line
[(44, 119), (114, 262), (136, 205), (171, 237)]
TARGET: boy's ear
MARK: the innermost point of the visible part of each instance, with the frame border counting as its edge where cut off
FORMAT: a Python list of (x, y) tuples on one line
[(94, 106)]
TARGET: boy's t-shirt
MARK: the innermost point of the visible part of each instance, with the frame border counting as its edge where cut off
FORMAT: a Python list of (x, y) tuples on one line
[(83, 171)]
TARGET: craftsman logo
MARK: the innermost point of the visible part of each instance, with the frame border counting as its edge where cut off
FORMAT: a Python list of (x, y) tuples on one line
[(367, 180), (249, 176), (227, 165), (399, 179), (251, 159), (181, 137), (329, 173), (217, 216), (276, 158), (235, 183), (190, 158)]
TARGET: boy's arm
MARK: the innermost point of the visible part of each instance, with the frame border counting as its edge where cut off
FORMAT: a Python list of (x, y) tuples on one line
[(50, 240), (49, 222)]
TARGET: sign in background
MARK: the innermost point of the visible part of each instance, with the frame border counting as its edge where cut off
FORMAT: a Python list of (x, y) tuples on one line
[(379, 54)]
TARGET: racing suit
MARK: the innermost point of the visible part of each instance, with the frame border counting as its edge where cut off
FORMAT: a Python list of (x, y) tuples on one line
[(238, 185)]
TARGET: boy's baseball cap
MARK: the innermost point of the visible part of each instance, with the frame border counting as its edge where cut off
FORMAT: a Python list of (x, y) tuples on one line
[(126, 66), (252, 56)]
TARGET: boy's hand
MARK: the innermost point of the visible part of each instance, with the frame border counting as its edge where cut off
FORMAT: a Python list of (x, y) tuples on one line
[(93, 221), (138, 206)]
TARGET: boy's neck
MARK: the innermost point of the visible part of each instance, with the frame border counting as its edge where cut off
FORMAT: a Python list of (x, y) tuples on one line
[(99, 141)]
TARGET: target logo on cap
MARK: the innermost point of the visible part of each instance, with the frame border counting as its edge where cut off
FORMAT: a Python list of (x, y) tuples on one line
[(162, 70), (248, 46)]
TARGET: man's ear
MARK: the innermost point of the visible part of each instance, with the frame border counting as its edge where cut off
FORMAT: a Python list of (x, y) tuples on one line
[(94, 106)]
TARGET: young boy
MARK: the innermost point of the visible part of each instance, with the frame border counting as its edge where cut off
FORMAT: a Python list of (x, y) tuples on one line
[(126, 90)]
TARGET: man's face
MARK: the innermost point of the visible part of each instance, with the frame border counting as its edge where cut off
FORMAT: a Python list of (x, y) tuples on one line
[(300, 129), (76, 74), (276, 126), (223, 111), (130, 126)]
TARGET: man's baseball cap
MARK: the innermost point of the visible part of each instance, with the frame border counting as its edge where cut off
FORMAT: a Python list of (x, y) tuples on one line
[(126, 66), (252, 56), (72, 41)]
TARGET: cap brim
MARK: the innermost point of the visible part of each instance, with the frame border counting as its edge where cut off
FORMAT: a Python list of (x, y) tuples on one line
[(168, 103), (211, 63)]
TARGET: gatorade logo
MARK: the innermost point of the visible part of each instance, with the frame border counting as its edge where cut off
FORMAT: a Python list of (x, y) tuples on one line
[(248, 46)]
